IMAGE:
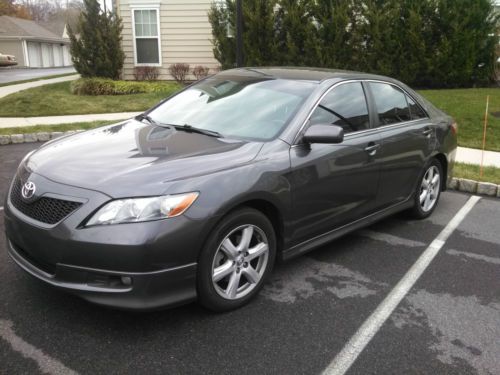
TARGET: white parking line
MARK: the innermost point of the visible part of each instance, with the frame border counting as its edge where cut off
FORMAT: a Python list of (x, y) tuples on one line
[(1, 208), (46, 363), (343, 361)]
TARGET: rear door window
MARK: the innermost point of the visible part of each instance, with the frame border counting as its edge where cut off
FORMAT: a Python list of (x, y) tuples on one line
[(391, 103), (416, 111), (345, 106)]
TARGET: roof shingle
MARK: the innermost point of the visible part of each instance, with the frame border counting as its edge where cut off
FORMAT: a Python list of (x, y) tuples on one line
[(12, 26)]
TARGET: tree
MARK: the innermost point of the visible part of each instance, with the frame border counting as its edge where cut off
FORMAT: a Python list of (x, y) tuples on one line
[(96, 50), (222, 19), (296, 33), (10, 8), (259, 30)]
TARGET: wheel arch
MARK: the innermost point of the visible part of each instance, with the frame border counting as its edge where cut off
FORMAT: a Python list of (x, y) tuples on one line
[(441, 158), (267, 207)]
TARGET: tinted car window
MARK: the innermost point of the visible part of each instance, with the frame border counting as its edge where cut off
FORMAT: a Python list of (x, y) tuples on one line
[(345, 106), (415, 111), (391, 104)]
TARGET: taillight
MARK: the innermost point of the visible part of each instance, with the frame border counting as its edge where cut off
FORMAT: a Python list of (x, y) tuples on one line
[(454, 128)]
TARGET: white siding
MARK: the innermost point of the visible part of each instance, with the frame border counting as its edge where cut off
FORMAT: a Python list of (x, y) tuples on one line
[(185, 34)]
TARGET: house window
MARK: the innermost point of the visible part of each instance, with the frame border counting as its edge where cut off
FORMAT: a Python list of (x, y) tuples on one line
[(147, 40)]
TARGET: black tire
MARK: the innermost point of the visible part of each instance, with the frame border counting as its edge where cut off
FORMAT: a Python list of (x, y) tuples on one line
[(418, 211), (209, 291)]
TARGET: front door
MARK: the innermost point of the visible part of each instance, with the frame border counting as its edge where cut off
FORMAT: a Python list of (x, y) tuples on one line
[(334, 184)]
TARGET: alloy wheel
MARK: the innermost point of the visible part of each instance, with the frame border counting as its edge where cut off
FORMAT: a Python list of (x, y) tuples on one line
[(429, 189), (240, 262)]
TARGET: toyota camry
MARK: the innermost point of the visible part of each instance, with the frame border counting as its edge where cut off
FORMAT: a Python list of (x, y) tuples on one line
[(198, 197)]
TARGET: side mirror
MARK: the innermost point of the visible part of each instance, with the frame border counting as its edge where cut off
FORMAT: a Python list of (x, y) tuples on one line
[(324, 134)]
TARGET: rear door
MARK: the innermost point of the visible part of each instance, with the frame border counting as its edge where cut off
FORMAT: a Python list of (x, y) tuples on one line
[(407, 141), (334, 184)]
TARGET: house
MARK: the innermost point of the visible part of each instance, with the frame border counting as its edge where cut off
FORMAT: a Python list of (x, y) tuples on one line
[(159, 33), (33, 45)]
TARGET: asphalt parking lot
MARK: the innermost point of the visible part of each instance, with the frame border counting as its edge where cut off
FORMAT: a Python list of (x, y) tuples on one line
[(448, 322)]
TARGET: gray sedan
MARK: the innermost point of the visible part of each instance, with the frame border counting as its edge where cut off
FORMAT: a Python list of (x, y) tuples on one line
[(198, 197)]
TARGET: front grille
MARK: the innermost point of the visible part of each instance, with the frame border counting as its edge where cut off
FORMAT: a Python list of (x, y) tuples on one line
[(46, 210)]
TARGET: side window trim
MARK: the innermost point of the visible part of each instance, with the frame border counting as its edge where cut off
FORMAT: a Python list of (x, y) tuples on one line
[(372, 108)]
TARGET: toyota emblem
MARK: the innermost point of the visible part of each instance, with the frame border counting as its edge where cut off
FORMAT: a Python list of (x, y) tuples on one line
[(28, 190)]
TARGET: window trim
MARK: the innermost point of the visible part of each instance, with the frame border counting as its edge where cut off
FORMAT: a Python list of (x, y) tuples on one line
[(133, 8), (371, 106)]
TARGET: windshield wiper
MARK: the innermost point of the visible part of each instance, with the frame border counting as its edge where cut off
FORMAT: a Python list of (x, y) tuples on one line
[(185, 127), (142, 116), (194, 129)]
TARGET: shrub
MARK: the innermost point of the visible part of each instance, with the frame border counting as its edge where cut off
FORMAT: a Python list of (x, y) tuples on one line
[(200, 72), (146, 73), (96, 42), (179, 71), (103, 86)]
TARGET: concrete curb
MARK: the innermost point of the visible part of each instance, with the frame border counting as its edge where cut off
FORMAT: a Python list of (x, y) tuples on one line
[(475, 187), (33, 137)]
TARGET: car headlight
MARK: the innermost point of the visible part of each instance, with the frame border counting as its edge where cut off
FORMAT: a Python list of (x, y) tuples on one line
[(133, 210)]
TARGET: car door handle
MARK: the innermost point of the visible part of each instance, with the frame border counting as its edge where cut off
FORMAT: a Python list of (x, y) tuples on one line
[(372, 148), (427, 131)]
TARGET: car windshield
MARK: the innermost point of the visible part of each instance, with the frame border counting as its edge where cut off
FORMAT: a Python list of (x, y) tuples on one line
[(250, 108)]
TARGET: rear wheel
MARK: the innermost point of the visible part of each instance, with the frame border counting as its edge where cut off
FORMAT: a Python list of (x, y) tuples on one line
[(236, 260), (428, 190)]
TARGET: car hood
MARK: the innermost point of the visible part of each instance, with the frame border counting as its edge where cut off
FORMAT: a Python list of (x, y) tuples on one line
[(132, 158)]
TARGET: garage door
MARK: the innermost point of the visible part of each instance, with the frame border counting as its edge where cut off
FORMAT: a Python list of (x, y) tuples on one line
[(58, 55), (34, 55), (66, 56), (47, 56)]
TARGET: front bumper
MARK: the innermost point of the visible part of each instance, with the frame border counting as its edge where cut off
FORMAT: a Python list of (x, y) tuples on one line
[(129, 290), (140, 266)]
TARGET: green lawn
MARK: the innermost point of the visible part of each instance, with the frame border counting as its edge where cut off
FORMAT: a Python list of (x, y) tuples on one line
[(56, 99), (467, 107), (55, 128), (470, 171), (37, 79)]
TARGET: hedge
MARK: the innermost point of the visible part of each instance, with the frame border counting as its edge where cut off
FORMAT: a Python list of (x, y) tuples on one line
[(425, 43), (103, 86)]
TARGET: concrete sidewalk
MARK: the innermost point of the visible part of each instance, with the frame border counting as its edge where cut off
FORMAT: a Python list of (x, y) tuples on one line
[(15, 122), (473, 156), (7, 90)]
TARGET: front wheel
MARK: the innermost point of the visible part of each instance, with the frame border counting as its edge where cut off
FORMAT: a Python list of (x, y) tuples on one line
[(236, 260), (428, 190)]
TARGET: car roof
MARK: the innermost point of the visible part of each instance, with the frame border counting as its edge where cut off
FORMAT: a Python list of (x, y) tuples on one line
[(302, 74)]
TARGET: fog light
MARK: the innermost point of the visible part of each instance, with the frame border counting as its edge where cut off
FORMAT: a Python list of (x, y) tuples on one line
[(126, 280)]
